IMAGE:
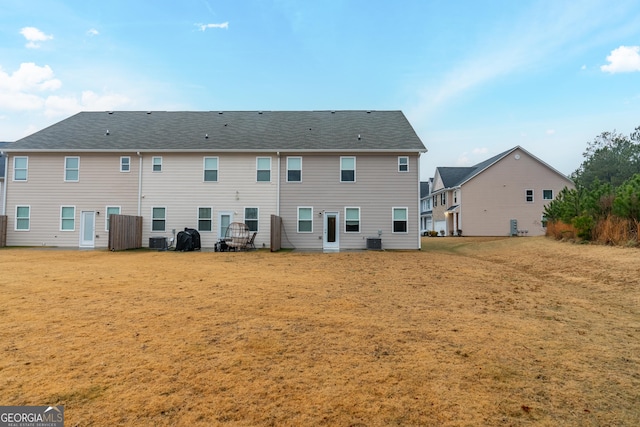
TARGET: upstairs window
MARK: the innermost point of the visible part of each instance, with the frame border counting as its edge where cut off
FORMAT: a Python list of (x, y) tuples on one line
[(403, 164), (20, 168), (352, 220), (72, 169), (125, 164), (211, 169), (547, 194), (263, 169), (294, 169), (157, 164), (251, 218), (528, 196), (400, 220), (347, 169), (205, 219), (443, 198)]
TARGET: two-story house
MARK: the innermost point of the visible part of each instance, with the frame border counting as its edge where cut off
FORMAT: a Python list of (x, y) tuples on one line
[(501, 196), (335, 178)]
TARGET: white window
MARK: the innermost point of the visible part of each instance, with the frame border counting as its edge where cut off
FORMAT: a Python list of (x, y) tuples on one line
[(72, 169), (347, 169), (23, 218), (251, 218), (529, 196), (67, 218), (263, 168), (400, 220), (125, 164), (352, 220), (403, 164), (157, 164), (211, 169), (305, 220), (547, 194), (20, 168), (294, 169), (111, 210), (205, 219), (158, 219)]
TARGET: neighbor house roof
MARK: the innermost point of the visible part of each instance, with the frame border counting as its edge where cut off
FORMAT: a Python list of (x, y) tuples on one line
[(227, 131), (456, 176)]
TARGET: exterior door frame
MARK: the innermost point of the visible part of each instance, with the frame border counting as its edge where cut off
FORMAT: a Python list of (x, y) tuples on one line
[(87, 218), (221, 232), (331, 231)]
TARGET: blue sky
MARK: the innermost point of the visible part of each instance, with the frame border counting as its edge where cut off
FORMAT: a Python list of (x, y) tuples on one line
[(474, 78)]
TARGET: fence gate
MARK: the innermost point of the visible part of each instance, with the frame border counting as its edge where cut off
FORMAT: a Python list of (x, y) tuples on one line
[(276, 233), (125, 232), (3, 231)]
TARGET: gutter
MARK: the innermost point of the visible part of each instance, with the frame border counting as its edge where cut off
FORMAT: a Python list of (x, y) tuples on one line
[(4, 184)]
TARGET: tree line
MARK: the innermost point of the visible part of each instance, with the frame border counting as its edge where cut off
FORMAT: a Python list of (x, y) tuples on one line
[(605, 204)]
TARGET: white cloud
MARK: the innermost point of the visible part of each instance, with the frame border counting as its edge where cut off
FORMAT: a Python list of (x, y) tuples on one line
[(204, 27), (21, 89), (483, 150), (551, 132), (33, 36), (93, 32), (89, 101), (624, 59)]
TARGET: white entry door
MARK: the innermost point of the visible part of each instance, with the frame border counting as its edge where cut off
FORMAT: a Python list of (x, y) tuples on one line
[(87, 229), (331, 232), (224, 219)]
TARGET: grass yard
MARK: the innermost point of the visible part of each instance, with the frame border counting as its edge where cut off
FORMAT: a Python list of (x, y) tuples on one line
[(466, 332)]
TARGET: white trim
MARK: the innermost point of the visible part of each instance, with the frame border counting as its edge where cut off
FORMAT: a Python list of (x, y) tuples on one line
[(15, 225), (287, 171), (257, 219), (153, 164), (121, 164), (258, 170), (400, 164), (26, 168), (298, 219), (70, 169), (106, 215), (347, 219), (204, 169), (62, 218), (354, 169), (406, 209), (165, 219), (198, 218)]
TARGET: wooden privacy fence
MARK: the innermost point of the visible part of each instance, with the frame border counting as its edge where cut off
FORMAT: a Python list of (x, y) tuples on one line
[(125, 232), (276, 233), (3, 231)]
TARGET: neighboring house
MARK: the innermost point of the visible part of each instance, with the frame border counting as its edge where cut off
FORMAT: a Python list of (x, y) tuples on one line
[(426, 218), (502, 196), (3, 169), (335, 178)]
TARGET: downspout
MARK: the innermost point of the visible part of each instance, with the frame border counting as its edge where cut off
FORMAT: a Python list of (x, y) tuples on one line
[(4, 185), (419, 218), (139, 184), (278, 186)]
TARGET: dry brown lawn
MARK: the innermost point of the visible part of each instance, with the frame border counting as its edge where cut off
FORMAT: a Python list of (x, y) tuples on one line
[(466, 332)]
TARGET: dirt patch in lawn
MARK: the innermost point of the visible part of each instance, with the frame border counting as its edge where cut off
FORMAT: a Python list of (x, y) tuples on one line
[(519, 331)]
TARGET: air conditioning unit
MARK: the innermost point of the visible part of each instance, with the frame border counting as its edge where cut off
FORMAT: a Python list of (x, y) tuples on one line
[(374, 243), (158, 243)]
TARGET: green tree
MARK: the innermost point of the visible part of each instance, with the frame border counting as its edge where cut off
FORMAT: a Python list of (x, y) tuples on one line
[(627, 201), (611, 158)]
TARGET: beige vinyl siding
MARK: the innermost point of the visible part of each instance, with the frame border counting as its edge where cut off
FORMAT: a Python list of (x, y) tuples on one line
[(497, 195), (101, 184), (181, 189), (378, 188)]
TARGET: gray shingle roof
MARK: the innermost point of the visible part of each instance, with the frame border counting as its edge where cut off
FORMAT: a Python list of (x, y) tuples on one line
[(228, 131)]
